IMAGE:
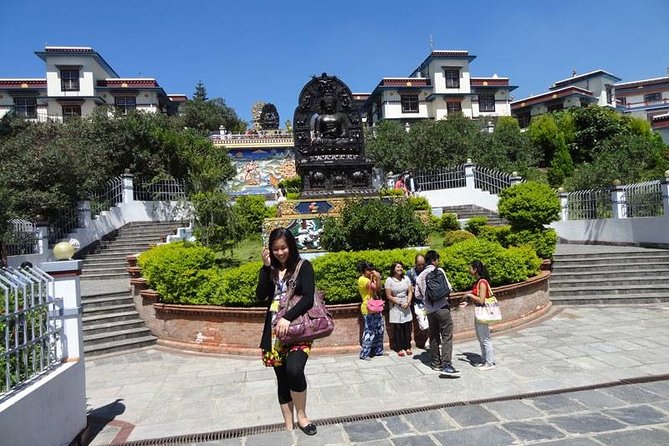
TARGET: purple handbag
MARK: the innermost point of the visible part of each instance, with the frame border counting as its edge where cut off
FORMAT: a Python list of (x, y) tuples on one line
[(316, 323)]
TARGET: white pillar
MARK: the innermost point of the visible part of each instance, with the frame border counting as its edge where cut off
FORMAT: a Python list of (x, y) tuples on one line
[(42, 238), (83, 213), (128, 194), (564, 204), (664, 187), (618, 201), (515, 178), (469, 174), (66, 290)]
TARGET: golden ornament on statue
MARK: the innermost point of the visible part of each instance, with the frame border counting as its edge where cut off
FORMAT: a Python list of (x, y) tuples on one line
[(63, 251)]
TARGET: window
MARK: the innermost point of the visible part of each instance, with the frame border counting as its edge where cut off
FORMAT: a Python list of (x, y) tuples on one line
[(452, 77), (486, 102), (622, 100), (71, 112), (409, 103), (125, 103), (609, 94), (69, 80), (453, 107), (652, 97), (26, 107)]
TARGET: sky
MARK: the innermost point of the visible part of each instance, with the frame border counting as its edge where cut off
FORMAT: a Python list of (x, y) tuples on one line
[(249, 51)]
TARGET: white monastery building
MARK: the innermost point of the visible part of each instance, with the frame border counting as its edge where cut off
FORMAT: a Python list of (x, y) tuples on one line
[(441, 85), (78, 80)]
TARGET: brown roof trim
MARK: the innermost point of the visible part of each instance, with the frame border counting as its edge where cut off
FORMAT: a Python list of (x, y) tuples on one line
[(567, 91)]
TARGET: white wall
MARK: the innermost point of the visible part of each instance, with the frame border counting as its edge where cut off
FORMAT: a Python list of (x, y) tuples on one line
[(461, 196), (50, 412), (642, 230)]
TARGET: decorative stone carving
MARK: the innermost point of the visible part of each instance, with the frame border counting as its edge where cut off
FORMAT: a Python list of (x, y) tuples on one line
[(269, 117)]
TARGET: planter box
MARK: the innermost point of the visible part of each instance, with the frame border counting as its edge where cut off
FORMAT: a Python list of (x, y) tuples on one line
[(237, 330)]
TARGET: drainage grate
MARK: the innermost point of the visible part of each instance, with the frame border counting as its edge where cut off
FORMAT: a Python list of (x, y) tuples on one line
[(243, 432)]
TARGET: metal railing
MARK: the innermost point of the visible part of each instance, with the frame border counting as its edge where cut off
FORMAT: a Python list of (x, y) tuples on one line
[(163, 190), (589, 204), (491, 180), (61, 227), (21, 239), (107, 196), (642, 200), (29, 325), (441, 178)]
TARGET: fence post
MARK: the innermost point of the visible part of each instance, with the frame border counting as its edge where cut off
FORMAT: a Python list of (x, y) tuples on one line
[(564, 204), (128, 187), (42, 229), (83, 213), (618, 200), (469, 174), (515, 178), (66, 290), (664, 188)]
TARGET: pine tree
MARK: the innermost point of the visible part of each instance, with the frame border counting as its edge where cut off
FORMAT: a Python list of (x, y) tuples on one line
[(200, 92)]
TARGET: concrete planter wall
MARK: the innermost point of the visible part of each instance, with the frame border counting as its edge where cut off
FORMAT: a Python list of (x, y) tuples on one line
[(237, 330)]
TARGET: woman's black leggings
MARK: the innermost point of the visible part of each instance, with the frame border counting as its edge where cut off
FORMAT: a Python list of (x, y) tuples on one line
[(290, 375), (402, 336)]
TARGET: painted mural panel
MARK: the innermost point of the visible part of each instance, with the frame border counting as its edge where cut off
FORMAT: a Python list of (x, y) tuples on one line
[(259, 171)]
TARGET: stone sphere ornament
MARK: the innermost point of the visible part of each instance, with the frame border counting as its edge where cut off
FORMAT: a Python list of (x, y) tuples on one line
[(63, 251)]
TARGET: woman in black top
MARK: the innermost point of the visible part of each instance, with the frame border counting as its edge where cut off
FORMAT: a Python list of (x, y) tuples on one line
[(288, 361)]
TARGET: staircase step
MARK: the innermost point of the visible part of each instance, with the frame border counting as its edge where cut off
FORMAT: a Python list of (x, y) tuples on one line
[(104, 302), (103, 327), (85, 276), (116, 335), (109, 309), (559, 267), (109, 317), (99, 270), (651, 253), (614, 260), (105, 262), (618, 281), (593, 290), (611, 299), (558, 274), (116, 346)]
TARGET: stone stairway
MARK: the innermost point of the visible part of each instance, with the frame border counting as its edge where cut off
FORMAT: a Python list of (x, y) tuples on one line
[(110, 321), (469, 210), (597, 274)]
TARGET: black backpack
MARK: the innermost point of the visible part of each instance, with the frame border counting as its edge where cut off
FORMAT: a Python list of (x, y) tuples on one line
[(436, 287)]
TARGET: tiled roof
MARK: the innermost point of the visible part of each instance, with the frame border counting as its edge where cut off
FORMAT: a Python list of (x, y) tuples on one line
[(555, 94), (641, 83), (570, 80)]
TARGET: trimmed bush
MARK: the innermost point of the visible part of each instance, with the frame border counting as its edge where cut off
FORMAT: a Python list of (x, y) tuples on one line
[(449, 222), (459, 236), (249, 212), (529, 205), (333, 237), (176, 270), (475, 224), (497, 234), (419, 203), (542, 241)]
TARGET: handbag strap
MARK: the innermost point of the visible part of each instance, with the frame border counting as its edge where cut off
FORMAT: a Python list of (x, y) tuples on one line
[(292, 282)]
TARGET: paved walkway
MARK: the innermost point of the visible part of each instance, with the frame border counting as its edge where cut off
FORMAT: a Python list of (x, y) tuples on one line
[(159, 393)]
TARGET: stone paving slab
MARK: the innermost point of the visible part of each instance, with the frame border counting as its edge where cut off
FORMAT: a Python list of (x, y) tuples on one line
[(163, 392)]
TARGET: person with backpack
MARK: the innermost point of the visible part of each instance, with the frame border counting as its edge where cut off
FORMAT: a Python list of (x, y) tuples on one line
[(433, 287)]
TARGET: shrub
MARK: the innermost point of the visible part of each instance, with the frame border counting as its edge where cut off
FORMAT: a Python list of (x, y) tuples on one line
[(528, 205), (378, 223), (454, 237), (249, 212), (292, 184), (505, 266), (542, 241), (333, 237), (475, 224), (419, 203), (215, 225), (176, 270), (497, 234), (449, 222), (231, 287), (293, 196), (389, 192)]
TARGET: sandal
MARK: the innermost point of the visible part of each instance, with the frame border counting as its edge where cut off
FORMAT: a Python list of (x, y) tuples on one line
[(309, 429), (401, 353), (409, 352)]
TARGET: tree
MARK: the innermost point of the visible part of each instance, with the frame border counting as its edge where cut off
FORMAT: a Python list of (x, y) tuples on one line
[(387, 145), (200, 92), (544, 136), (562, 166)]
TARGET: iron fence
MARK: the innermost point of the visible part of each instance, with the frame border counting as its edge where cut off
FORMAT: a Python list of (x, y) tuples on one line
[(66, 223), (163, 190), (491, 180), (589, 204), (30, 327), (21, 239), (440, 178), (107, 196), (642, 200)]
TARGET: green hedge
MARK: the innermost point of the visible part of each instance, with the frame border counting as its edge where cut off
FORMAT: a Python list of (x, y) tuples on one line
[(186, 273), (497, 234), (475, 224), (455, 237), (449, 222)]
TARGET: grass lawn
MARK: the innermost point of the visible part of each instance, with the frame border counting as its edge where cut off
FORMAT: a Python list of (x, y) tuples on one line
[(248, 250)]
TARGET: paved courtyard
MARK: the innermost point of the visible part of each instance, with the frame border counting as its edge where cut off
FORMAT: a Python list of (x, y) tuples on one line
[(159, 393)]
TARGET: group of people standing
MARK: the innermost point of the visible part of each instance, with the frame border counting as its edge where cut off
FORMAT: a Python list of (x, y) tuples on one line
[(281, 271), (401, 291)]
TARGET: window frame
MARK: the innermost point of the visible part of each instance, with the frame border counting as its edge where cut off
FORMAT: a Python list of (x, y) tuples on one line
[(454, 81), (67, 115), (121, 103), (70, 82), (450, 109), (407, 100), (25, 110), (647, 98), (489, 109)]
